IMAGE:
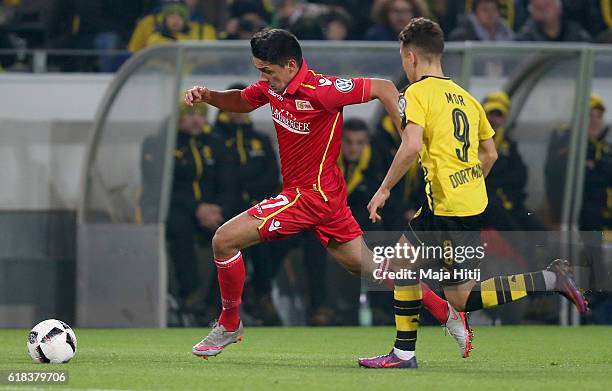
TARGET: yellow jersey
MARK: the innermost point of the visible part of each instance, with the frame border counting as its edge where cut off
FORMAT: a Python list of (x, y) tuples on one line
[(454, 123)]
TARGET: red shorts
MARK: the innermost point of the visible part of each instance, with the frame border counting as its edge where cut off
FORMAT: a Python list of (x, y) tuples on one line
[(297, 210)]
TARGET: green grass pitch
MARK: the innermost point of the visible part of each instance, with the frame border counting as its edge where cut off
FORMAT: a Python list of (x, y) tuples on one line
[(505, 358)]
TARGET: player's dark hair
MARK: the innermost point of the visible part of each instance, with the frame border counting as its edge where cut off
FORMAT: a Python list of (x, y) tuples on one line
[(276, 46), (354, 125), (424, 35)]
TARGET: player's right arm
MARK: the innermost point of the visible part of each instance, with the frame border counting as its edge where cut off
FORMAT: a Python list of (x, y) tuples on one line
[(230, 100)]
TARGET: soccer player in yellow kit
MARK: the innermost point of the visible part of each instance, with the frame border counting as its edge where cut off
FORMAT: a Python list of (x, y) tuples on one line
[(448, 129)]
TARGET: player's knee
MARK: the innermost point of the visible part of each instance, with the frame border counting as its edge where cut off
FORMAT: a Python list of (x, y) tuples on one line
[(221, 241)]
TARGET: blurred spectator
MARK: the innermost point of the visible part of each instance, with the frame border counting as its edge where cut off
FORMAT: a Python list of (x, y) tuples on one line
[(89, 25), (506, 184), (200, 184), (244, 27), (595, 16), (514, 12), (391, 16), (192, 25), (247, 18), (59, 21), (176, 26), (303, 19), (263, 8), (336, 25), (445, 13), (599, 168), (547, 23), (359, 12), (104, 25), (598, 175), (483, 24), (255, 169), (362, 171)]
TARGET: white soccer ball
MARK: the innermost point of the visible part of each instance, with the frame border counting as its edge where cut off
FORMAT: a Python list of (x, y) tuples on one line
[(52, 341)]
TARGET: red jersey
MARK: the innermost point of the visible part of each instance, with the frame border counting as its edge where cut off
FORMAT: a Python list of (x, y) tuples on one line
[(308, 121)]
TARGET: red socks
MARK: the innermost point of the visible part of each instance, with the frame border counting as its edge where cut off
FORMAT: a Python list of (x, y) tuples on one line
[(231, 274), (434, 304)]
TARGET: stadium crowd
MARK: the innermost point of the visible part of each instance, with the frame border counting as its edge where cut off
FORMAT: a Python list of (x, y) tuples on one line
[(136, 24)]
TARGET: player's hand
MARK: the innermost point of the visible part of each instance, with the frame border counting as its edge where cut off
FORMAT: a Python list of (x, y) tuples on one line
[(377, 202), (196, 94)]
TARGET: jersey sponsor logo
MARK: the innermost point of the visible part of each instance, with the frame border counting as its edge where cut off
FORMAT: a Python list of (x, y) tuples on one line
[(303, 105), (274, 225), (288, 121), (323, 82), (465, 176), (344, 85), (274, 94)]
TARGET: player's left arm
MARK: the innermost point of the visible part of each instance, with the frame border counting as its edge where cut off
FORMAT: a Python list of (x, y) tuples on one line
[(386, 92), (487, 154), (412, 140)]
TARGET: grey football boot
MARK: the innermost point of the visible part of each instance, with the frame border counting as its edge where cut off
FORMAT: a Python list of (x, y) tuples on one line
[(217, 340)]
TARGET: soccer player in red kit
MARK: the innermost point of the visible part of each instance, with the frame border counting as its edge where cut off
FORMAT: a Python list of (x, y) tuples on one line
[(307, 112)]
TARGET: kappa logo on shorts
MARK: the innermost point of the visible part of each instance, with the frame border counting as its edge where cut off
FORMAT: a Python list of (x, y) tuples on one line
[(274, 225), (303, 105), (344, 85)]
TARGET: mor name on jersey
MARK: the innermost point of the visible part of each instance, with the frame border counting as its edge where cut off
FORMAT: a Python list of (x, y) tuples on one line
[(456, 99), (288, 121), (466, 175)]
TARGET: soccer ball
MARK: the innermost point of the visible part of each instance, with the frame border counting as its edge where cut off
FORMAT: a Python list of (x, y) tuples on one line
[(52, 341)]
